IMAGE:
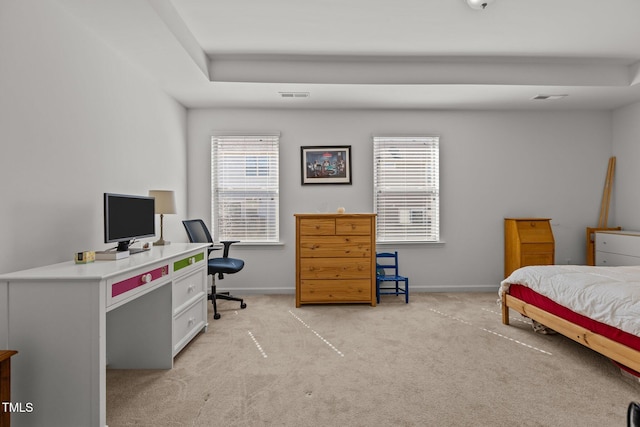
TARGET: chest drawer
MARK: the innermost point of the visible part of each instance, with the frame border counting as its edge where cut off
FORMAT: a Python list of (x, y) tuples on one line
[(607, 259), (317, 227), (335, 246), (335, 268), (356, 290), (624, 244), (360, 226)]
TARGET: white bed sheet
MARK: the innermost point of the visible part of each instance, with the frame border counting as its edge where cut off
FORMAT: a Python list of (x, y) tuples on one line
[(610, 295)]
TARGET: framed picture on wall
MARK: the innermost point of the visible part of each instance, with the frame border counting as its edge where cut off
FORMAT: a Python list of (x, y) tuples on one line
[(329, 164)]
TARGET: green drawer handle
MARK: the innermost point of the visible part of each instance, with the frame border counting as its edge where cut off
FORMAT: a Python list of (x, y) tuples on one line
[(178, 265)]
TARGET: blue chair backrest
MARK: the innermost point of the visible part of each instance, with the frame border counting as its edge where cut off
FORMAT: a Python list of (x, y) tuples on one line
[(197, 231), (382, 267)]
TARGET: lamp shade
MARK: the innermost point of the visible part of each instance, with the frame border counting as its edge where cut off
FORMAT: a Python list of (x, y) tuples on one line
[(165, 201)]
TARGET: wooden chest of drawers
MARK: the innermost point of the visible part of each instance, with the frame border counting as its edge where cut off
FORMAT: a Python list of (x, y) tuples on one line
[(527, 241), (335, 258)]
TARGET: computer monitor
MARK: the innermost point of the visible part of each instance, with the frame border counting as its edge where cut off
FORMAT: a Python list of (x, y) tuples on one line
[(128, 217)]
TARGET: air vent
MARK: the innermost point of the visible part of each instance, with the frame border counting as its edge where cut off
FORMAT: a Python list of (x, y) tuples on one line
[(549, 97), (294, 94)]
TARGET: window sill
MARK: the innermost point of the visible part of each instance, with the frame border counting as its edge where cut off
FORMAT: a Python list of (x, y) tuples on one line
[(250, 244), (409, 242)]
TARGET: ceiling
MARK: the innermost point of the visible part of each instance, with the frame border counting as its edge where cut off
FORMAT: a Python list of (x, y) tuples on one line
[(379, 54)]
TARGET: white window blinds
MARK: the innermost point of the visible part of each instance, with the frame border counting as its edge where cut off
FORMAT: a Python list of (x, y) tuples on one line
[(406, 188), (244, 186)]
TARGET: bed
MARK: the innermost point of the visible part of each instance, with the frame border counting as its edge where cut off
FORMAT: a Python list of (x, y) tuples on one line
[(599, 307)]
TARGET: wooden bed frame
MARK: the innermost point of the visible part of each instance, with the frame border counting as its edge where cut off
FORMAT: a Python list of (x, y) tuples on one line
[(622, 354)]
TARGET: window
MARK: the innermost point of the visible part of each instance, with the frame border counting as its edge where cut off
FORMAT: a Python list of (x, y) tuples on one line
[(406, 193), (244, 187)]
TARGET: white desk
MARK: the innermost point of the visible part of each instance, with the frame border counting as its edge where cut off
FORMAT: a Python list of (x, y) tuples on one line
[(71, 321)]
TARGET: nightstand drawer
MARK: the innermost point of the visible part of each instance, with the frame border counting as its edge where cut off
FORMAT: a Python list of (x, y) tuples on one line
[(537, 259), (535, 231), (535, 248)]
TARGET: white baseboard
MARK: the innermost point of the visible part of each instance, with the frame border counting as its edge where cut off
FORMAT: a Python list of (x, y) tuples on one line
[(412, 288)]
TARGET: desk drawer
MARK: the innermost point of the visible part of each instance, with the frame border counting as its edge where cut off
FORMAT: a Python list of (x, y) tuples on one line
[(187, 324), (187, 289), (187, 264), (122, 288)]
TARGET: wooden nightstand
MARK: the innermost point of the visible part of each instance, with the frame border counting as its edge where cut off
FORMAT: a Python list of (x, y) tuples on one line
[(527, 241), (5, 384)]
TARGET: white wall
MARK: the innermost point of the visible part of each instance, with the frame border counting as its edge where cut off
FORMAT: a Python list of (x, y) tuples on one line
[(626, 148), (76, 120), (493, 165)]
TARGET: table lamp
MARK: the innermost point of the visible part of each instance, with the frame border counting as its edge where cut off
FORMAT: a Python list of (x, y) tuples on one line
[(165, 204)]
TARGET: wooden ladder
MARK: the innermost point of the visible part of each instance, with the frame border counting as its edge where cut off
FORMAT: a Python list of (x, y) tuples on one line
[(604, 213)]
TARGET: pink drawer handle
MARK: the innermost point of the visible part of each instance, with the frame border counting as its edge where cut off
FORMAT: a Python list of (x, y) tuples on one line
[(135, 281)]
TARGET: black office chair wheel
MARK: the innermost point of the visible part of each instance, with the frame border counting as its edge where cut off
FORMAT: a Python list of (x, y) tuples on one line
[(243, 305), (216, 316)]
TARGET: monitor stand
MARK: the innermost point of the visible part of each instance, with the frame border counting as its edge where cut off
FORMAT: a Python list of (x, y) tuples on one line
[(123, 246)]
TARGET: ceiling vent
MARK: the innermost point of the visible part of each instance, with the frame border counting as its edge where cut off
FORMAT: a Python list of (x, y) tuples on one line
[(294, 94), (549, 97)]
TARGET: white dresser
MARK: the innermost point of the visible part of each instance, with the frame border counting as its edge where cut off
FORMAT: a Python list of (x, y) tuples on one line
[(617, 248), (70, 322)]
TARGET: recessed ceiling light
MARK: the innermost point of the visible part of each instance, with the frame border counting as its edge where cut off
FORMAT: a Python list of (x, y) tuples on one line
[(294, 94), (479, 4), (550, 97)]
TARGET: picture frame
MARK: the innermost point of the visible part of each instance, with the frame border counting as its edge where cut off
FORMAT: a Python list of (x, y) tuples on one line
[(328, 164)]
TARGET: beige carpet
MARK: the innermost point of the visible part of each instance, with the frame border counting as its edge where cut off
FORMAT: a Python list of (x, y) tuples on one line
[(441, 360)]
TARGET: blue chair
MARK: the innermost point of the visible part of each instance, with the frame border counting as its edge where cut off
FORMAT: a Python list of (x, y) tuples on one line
[(198, 232), (633, 414), (387, 271)]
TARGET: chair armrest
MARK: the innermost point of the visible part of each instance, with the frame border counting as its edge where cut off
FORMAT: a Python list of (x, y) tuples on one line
[(211, 249), (227, 244)]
